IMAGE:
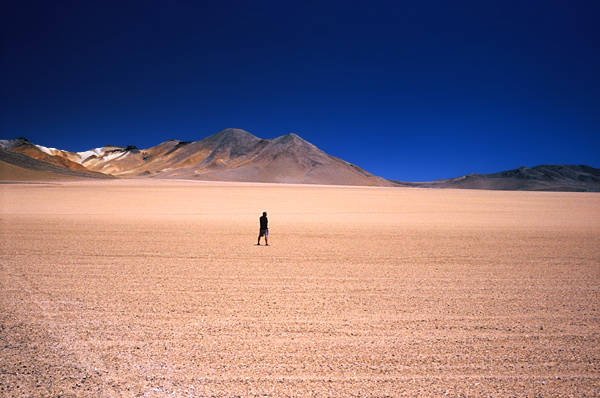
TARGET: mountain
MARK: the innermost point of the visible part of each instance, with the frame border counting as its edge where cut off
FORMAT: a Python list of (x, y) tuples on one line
[(231, 155), (539, 178), (236, 155), (52, 156), (20, 167)]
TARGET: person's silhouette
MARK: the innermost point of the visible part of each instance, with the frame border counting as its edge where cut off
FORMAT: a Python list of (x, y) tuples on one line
[(264, 229)]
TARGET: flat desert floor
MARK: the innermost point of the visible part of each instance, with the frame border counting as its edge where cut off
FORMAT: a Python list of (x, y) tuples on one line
[(139, 288)]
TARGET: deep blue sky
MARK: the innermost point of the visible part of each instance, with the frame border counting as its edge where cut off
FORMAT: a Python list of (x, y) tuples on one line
[(408, 90)]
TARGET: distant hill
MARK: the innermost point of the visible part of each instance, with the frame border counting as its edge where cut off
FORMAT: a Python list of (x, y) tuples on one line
[(231, 155), (539, 178)]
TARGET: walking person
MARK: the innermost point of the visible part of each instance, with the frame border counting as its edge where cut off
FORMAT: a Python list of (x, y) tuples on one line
[(264, 229)]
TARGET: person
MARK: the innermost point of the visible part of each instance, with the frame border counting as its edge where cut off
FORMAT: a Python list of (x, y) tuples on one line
[(264, 229)]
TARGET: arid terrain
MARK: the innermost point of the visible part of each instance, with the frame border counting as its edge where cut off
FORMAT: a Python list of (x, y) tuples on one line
[(152, 288)]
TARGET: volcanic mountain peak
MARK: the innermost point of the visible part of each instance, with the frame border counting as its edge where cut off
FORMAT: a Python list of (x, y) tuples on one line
[(293, 142), (229, 137), (291, 139), (233, 133)]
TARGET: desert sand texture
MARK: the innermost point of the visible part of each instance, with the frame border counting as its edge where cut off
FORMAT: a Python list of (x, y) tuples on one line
[(140, 288)]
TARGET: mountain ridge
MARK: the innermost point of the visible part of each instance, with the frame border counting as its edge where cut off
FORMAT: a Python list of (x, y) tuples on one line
[(237, 155), (547, 177), (19, 167), (230, 155)]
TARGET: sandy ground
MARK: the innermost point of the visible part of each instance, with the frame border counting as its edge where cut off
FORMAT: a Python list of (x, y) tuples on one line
[(156, 288)]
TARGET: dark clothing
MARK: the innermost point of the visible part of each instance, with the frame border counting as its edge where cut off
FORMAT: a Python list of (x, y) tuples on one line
[(263, 223)]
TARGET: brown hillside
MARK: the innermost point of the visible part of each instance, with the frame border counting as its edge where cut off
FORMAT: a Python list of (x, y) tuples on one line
[(33, 152), (19, 167)]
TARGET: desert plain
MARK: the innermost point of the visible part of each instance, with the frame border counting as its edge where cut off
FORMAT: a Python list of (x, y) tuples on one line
[(152, 288)]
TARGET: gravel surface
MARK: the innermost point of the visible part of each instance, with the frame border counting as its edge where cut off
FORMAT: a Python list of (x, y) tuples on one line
[(157, 288)]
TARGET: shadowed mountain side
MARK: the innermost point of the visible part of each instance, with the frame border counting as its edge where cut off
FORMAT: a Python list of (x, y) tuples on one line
[(19, 167), (539, 178)]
